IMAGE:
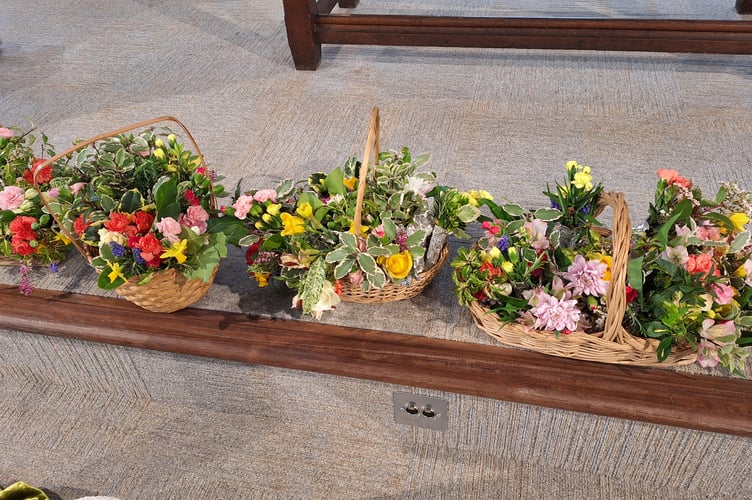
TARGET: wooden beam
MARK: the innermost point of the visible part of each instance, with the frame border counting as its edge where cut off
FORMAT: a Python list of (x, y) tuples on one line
[(651, 35), (654, 395)]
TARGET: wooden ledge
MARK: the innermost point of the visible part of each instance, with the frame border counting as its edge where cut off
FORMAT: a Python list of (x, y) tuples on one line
[(652, 395)]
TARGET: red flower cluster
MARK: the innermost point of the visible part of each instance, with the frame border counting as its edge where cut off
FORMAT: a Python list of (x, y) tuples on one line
[(43, 176), (22, 235), (137, 229)]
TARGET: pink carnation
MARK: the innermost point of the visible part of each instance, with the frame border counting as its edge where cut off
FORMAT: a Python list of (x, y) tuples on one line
[(195, 217), (170, 228), (11, 198), (78, 186), (242, 205), (6, 133), (723, 293), (265, 195)]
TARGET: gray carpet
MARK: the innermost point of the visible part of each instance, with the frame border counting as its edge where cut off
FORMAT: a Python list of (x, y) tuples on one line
[(80, 418)]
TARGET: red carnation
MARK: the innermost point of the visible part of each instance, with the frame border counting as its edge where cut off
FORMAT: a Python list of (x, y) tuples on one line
[(191, 198), (252, 251), (80, 225), (631, 294), (151, 248), (21, 227), (43, 176), (21, 246), (143, 221), (118, 222)]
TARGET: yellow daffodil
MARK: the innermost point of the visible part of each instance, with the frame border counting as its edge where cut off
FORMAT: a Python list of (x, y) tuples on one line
[(571, 164), (583, 180), (63, 238), (292, 224), (349, 183), (262, 279), (273, 209), (305, 210), (494, 252), (116, 272), (267, 218), (177, 251), (739, 220)]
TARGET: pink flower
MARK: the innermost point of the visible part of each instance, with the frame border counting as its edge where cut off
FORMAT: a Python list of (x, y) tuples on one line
[(701, 263), (6, 133), (711, 233), (586, 277), (242, 205), (11, 198), (707, 354), (170, 229), (54, 193), (491, 229), (537, 231), (378, 231), (195, 217), (721, 333), (723, 293), (263, 195), (554, 314), (355, 278), (78, 186)]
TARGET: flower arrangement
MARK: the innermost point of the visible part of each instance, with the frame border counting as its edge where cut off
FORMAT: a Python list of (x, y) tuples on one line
[(311, 236), (527, 268), (142, 204), (691, 274), (28, 233), (687, 274)]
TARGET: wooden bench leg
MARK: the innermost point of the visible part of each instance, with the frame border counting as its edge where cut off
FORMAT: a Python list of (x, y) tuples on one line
[(744, 6), (306, 52)]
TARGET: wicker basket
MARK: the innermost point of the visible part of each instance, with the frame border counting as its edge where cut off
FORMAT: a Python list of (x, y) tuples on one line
[(391, 291), (168, 290), (614, 344)]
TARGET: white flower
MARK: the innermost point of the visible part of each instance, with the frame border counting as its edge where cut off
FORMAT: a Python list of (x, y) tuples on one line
[(327, 300)]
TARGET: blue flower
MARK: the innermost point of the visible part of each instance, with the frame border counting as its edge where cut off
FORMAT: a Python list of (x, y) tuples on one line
[(555, 205), (54, 267), (137, 255), (503, 243), (118, 250)]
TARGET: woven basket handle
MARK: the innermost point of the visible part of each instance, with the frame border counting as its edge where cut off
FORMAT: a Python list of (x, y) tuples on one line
[(372, 147), (616, 298), (77, 147)]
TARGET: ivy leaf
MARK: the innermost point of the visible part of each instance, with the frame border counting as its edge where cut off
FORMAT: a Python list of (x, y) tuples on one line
[(390, 229), (547, 214), (344, 268), (416, 238), (337, 254), (468, 213), (367, 263)]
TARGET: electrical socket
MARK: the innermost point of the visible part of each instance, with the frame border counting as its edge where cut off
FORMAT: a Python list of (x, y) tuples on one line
[(421, 411)]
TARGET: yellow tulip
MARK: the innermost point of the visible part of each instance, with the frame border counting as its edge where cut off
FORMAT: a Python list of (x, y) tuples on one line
[(292, 224), (273, 209)]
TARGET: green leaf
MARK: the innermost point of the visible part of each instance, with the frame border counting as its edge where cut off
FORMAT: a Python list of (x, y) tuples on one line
[(344, 268), (739, 242), (166, 198), (131, 201), (416, 238), (231, 227), (663, 350), (349, 240), (547, 214), (284, 188), (103, 281), (367, 263), (246, 241), (337, 254), (417, 251), (514, 210), (634, 274), (390, 229), (380, 251), (468, 213), (334, 182), (312, 285)]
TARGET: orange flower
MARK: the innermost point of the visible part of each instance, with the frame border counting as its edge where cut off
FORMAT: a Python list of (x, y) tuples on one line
[(672, 177)]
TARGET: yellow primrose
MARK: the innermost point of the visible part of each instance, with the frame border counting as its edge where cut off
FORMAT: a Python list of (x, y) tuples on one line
[(117, 272), (171, 138), (267, 218), (485, 195), (739, 220), (472, 201), (159, 153), (305, 210), (349, 183), (507, 267), (494, 252), (292, 224), (158, 143), (177, 251), (740, 272), (259, 224), (399, 265), (363, 229), (273, 209)]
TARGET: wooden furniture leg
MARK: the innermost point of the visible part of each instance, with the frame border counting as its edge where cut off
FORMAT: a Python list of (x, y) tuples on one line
[(305, 50), (744, 6)]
